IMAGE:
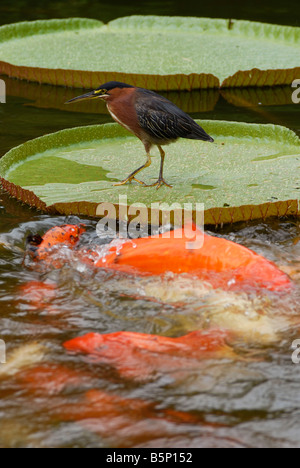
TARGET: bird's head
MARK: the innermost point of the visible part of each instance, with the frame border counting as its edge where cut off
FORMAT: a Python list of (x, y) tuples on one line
[(103, 92)]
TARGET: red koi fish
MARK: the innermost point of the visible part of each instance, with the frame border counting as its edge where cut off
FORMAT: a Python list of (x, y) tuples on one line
[(41, 247), (120, 421), (141, 357), (38, 294), (127, 422), (50, 379)]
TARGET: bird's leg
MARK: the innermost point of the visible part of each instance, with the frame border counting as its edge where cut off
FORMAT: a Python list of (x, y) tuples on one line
[(161, 181), (132, 177)]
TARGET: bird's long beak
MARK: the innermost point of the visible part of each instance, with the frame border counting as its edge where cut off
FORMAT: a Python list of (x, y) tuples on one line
[(88, 96)]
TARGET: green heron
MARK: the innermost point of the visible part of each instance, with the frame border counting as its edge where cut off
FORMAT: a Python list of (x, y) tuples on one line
[(152, 118)]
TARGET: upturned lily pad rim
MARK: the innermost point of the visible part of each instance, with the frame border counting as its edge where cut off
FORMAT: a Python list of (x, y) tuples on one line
[(213, 216), (171, 81)]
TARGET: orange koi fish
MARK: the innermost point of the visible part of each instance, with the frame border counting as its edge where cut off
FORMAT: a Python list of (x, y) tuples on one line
[(41, 247), (50, 379), (140, 356), (221, 262), (128, 422), (38, 294)]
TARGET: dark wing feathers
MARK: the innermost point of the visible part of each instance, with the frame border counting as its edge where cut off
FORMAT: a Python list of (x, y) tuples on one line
[(164, 120)]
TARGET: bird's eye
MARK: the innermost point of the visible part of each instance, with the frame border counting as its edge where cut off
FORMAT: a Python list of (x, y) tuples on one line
[(100, 91)]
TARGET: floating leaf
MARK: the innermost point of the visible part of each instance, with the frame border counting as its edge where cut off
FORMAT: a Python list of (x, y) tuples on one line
[(151, 51), (250, 172)]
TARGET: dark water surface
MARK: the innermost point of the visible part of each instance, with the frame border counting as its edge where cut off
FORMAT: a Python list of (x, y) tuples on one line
[(250, 398), (279, 12)]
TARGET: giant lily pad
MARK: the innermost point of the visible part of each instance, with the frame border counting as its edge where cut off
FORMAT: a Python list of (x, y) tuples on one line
[(250, 172), (161, 53)]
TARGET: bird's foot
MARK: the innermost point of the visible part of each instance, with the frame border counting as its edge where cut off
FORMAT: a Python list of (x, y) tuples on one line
[(159, 184), (129, 179)]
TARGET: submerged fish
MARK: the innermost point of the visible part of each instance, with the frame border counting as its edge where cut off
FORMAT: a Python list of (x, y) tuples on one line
[(21, 358), (126, 422), (38, 294), (140, 356), (117, 419), (50, 379)]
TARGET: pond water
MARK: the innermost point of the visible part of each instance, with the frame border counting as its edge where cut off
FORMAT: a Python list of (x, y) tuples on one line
[(244, 395)]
